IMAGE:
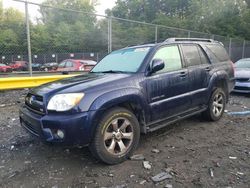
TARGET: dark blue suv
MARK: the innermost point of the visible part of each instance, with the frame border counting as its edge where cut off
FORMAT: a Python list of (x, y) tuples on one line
[(134, 90)]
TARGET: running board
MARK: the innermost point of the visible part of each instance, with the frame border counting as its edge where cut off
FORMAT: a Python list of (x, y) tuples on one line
[(163, 123)]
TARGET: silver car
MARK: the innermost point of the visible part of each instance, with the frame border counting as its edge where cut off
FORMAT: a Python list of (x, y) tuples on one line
[(242, 76)]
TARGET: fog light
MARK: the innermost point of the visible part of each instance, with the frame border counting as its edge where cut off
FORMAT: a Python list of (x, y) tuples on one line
[(60, 134)]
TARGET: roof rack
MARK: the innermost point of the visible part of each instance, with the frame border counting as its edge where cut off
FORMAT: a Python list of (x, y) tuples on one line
[(189, 39)]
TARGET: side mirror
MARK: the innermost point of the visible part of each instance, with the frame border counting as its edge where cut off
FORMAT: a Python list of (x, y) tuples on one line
[(157, 65)]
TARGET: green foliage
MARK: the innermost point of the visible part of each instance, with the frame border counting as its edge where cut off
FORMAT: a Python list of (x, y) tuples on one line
[(12, 28), (221, 17), (61, 30)]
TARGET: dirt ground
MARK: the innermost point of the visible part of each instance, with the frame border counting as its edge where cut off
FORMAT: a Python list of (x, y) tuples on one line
[(196, 153)]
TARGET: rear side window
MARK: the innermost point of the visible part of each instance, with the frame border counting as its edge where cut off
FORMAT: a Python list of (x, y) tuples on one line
[(218, 51), (191, 54)]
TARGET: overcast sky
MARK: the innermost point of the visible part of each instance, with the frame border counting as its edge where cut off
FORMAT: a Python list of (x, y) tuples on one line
[(100, 9)]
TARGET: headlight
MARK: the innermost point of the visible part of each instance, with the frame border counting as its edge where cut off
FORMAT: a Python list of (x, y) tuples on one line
[(64, 102)]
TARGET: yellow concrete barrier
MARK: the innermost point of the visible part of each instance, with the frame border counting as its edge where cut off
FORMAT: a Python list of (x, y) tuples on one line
[(28, 82)]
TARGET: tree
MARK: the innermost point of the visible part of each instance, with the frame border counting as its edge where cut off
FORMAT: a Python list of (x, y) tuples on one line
[(221, 17), (12, 28), (68, 30)]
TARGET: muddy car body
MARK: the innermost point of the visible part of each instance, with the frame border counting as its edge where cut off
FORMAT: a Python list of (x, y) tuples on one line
[(131, 91)]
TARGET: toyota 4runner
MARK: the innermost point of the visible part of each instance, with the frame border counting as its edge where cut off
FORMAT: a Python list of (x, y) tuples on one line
[(133, 90)]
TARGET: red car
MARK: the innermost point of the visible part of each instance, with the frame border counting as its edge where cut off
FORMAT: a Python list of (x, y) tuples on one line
[(5, 68), (19, 65), (76, 65)]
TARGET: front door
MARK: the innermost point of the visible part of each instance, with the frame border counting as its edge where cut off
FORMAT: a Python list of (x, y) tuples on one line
[(168, 89)]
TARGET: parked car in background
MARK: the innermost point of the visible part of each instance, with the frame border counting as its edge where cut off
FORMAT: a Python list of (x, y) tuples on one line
[(242, 76), (131, 91), (5, 68), (52, 66), (76, 65), (88, 65), (36, 66), (19, 65)]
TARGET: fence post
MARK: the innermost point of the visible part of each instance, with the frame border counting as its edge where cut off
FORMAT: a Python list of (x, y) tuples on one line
[(189, 34), (28, 37), (230, 48), (97, 57), (109, 34), (156, 34), (243, 50)]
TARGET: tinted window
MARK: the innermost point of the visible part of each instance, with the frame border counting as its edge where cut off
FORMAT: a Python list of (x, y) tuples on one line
[(191, 55), (218, 51), (171, 56)]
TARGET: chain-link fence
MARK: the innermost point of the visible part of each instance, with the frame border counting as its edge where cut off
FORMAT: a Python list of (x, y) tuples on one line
[(56, 34)]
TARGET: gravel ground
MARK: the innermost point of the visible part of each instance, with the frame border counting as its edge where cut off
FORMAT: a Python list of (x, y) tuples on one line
[(192, 153)]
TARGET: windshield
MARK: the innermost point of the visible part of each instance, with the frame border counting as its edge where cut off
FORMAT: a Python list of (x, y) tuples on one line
[(2, 65), (243, 64), (62, 64), (125, 60)]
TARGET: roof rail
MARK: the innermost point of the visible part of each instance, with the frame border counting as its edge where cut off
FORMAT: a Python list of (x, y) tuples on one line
[(189, 39)]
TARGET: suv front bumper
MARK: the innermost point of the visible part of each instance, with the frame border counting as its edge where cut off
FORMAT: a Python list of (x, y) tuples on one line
[(74, 128)]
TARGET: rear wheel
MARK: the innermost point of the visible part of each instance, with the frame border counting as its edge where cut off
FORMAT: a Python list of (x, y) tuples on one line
[(216, 105), (117, 136)]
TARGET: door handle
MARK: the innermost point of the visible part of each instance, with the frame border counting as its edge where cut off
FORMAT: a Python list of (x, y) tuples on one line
[(183, 74), (207, 69)]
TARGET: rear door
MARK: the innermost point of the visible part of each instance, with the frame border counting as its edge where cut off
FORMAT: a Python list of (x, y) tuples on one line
[(167, 89), (199, 71)]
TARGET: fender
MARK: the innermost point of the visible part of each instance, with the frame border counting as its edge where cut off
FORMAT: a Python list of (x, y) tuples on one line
[(219, 78), (114, 98)]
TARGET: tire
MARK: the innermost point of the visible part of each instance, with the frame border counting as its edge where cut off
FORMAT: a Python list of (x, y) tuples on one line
[(216, 105), (110, 145)]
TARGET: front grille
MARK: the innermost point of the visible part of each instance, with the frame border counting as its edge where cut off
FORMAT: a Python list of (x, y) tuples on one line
[(35, 103), (242, 88), (242, 79)]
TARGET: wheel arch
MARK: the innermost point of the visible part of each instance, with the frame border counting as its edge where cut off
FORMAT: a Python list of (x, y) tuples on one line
[(220, 80), (131, 99)]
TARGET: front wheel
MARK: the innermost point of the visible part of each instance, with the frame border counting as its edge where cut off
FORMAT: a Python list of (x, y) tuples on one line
[(117, 136), (216, 105)]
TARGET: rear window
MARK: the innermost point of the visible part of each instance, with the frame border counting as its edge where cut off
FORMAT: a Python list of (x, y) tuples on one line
[(218, 51)]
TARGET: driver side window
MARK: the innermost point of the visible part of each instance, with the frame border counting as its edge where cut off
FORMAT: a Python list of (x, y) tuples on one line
[(171, 56)]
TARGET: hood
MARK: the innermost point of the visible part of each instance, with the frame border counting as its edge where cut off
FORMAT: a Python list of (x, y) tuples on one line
[(77, 83), (242, 73)]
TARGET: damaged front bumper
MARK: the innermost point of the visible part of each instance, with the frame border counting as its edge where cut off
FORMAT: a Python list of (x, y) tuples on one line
[(69, 129)]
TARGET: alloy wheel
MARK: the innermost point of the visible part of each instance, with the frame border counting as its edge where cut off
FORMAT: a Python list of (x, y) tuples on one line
[(218, 104), (118, 136)]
